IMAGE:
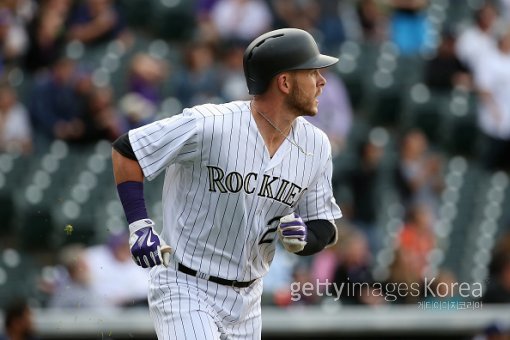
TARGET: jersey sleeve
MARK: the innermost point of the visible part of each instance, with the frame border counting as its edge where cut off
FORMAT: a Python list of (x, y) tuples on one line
[(318, 202), (164, 142)]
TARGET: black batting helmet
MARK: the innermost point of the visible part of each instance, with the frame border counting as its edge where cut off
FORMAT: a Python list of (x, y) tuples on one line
[(277, 51)]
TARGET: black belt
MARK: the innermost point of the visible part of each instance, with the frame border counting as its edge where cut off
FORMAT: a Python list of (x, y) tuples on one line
[(215, 279)]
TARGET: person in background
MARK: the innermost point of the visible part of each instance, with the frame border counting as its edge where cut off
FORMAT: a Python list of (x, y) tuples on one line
[(102, 120), (419, 176), (323, 265), (409, 25), (13, 37), (23, 10), (354, 270), (205, 27), (362, 182), (445, 71), (231, 71), (329, 24), (504, 6), (15, 128), (18, 322), (46, 35), (108, 263), (277, 283), (336, 112), (477, 41), (95, 21), (146, 75), (498, 290), (372, 21), (301, 275), (74, 287), (417, 238), (492, 80), (55, 104), (198, 81), (241, 19), (295, 13), (403, 271), (495, 330)]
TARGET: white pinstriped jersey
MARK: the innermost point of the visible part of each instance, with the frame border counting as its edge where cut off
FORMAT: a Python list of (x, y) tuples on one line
[(223, 194)]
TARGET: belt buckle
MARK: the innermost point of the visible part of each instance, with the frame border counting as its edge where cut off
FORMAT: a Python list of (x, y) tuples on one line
[(234, 282)]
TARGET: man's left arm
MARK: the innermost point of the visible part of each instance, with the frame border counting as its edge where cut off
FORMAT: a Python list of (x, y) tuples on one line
[(311, 227), (306, 238)]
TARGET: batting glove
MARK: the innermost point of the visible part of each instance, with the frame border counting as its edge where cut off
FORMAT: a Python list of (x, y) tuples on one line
[(292, 232), (147, 248)]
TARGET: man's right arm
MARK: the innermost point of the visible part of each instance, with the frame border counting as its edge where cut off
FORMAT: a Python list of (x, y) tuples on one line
[(147, 248), (141, 154), (129, 179), (125, 169)]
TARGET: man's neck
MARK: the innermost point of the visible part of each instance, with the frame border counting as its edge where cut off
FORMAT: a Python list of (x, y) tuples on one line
[(273, 125), (274, 116)]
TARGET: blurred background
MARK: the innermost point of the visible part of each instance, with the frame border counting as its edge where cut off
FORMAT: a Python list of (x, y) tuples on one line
[(417, 111)]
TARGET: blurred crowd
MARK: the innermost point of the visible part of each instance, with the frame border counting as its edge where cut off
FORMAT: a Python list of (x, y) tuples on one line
[(48, 92)]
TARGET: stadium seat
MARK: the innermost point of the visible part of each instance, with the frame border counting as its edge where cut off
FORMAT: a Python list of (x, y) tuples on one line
[(460, 13), (357, 63), (7, 214), (18, 276), (24, 88), (460, 131), (137, 13), (383, 101), (383, 88), (174, 23), (454, 179), (481, 231), (505, 218), (422, 109), (37, 229), (409, 69), (469, 199), (354, 86)]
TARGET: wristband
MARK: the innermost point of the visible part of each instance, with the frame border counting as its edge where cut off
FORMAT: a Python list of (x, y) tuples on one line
[(133, 202)]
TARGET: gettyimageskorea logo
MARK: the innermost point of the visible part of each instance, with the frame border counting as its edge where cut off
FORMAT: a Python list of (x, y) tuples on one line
[(430, 288)]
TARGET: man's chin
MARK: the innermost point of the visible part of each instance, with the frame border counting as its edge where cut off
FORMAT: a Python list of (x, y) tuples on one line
[(310, 113), (313, 111)]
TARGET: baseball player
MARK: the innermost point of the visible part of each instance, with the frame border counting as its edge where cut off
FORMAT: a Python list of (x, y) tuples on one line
[(238, 176)]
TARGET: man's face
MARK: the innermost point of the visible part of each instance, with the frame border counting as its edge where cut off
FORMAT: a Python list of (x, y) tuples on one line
[(306, 86)]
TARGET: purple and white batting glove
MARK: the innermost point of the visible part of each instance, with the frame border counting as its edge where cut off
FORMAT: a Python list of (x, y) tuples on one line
[(147, 248), (292, 232)]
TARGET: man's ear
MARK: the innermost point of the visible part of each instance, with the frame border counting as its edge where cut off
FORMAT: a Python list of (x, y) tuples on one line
[(284, 82)]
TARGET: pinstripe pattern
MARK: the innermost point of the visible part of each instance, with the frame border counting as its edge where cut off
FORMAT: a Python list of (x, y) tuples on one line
[(222, 198), (184, 307)]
